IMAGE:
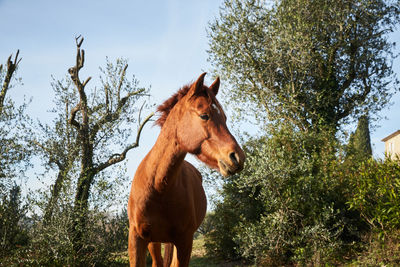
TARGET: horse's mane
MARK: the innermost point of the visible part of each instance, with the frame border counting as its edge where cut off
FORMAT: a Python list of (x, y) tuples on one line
[(168, 104)]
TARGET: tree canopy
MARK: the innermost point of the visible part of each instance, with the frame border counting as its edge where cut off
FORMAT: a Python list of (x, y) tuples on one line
[(91, 132), (12, 152), (302, 68), (313, 63)]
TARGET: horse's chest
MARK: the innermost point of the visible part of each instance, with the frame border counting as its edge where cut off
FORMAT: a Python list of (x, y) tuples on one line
[(159, 219)]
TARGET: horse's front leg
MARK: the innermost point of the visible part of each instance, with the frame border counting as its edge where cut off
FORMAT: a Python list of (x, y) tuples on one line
[(136, 249), (184, 250)]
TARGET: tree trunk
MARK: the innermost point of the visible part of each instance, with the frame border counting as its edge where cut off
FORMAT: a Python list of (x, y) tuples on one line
[(85, 180), (54, 195), (81, 208)]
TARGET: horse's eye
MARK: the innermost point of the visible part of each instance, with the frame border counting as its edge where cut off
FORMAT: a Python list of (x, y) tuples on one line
[(205, 117)]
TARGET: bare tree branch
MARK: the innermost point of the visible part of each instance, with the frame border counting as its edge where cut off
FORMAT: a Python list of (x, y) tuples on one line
[(120, 157), (11, 67), (72, 119), (79, 42), (109, 117), (87, 80), (106, 92), (74, 72), (50, 153), (121, 81)]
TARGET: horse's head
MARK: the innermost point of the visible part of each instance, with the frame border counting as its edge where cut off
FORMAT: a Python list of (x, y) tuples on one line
[(201, 128)]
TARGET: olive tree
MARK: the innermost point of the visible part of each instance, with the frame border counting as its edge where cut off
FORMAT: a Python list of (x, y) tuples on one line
[(13, 161), (313, 63), (91, 133)]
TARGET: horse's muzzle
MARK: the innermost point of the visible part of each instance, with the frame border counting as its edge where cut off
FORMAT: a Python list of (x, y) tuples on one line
[(231, 166)]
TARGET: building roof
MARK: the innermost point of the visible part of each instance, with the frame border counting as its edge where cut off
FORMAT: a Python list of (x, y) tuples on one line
[(391, 136)]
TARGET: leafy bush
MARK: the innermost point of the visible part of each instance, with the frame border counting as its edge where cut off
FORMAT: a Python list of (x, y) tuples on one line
[(219, 241), (376, 194), (51, 240), (116, 230), (288, 205), (52, 243)]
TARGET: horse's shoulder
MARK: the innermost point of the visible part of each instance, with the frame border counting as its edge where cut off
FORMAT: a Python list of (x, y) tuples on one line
[(191, 170)]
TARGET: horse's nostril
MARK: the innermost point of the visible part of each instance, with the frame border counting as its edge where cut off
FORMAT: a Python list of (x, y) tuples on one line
[(234, 158)]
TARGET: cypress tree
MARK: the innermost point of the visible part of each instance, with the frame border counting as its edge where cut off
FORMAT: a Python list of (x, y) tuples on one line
[(360, 141)]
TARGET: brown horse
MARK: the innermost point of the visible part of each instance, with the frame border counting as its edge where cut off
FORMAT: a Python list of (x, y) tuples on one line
[(167, 202)]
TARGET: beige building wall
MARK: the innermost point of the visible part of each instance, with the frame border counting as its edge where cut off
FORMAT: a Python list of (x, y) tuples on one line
[(392, 145)]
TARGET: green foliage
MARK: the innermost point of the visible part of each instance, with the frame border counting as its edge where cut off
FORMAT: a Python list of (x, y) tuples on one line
[(300, 69), (314, 63), (13, 233), (51, 243), (219, 242), (360, 141), (116, 229), (14, 157), (298, 201), (376, 194), (70, 224), (90, 135), (101, 119), (205, 227), (288, 205), (13, 153)]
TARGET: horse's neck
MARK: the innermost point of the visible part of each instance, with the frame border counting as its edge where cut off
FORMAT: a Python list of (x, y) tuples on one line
[(165, 159)]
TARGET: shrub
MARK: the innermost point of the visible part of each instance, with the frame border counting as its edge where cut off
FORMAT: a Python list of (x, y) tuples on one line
[(288, 205), (376, 194), (51, 240), (52, 244), (13, 232)]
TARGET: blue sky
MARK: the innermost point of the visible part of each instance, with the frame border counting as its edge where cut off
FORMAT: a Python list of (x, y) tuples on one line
[(164, 41)]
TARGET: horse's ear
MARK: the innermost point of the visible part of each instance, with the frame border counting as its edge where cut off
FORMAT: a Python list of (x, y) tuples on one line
[(197, 87), (215, 86)]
